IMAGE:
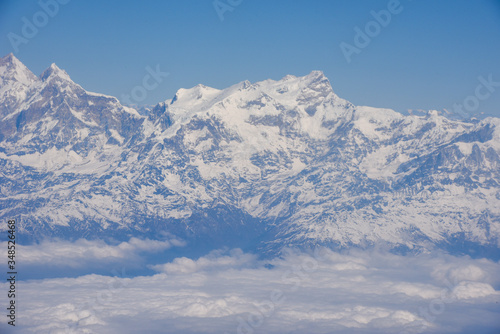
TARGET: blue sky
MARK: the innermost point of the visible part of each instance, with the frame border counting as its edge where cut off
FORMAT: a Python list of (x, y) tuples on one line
[(429, 56)]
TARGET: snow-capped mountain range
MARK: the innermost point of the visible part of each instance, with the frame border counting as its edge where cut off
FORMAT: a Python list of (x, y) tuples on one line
[(261, 165)]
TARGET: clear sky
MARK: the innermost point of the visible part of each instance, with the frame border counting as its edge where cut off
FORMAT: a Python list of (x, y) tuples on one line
[(429, 56)]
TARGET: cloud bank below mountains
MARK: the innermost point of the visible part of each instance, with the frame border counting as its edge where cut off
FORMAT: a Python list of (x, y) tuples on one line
[(235, 292), (82, 252)]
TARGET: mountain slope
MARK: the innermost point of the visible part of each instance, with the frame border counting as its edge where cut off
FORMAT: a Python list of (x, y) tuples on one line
[(263, 165)]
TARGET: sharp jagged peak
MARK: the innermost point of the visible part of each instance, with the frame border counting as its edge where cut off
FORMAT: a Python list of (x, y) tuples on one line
[(13, 69), (315, 74), (245, 84), (316, 77), (316, 80), (55, 72), (10, 59), (303, 87), (312, 76)]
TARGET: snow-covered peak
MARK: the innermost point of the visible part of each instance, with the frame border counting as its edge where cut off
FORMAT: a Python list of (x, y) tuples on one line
[(309, 91), (317, 81), (8, 58), (16, 81), (11, 69), (315, 74), (194, 96), (11, 60), (299, 88), (309, 98), (288, 77), (54, 72)]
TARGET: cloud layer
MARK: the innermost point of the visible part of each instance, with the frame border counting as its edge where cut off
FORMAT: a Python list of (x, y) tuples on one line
[(83, 252), (234, 292)]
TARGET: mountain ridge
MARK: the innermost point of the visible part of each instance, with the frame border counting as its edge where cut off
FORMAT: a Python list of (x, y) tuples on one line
[(269, 164)]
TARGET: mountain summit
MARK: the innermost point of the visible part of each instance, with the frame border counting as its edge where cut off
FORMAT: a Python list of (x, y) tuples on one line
[(54, 72), (256, 165)]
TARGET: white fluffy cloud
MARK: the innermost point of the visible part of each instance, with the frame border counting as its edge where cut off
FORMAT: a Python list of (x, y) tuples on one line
[(216, 260), (233, 292)]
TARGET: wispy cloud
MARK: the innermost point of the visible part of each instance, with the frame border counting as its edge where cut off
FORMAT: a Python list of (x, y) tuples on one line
[(82, 252), (233, 292)]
